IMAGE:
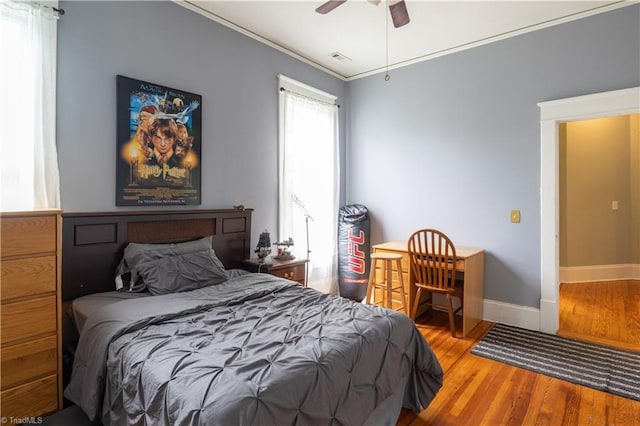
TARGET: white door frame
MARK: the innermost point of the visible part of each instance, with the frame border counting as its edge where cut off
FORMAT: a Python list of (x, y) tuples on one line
[(552, 113)]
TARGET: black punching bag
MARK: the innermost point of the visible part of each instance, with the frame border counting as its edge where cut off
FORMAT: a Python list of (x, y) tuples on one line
[(354, 247)]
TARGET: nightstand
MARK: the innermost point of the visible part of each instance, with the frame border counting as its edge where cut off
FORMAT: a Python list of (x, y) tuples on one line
[(294, 270)]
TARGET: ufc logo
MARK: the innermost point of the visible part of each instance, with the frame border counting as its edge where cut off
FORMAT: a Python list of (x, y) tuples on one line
[(356, 256)]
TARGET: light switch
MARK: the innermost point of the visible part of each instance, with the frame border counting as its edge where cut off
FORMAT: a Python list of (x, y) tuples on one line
[(515, 216), (614, 205)]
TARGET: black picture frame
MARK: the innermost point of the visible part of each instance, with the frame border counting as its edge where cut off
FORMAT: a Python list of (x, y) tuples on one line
[(159, 145)]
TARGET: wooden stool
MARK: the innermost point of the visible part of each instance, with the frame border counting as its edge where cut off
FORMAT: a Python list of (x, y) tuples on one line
[(386, 285)]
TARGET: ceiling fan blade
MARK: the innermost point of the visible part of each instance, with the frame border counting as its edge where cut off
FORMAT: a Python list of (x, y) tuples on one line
[(399, 14), (329, 6), (374, 2)]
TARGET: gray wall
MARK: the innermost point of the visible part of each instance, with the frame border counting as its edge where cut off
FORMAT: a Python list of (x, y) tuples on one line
[(454, 142), (451, 143), (164, 43)]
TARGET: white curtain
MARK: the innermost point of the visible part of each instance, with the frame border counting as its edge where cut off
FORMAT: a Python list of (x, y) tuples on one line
[(29, 176), (309, 173)]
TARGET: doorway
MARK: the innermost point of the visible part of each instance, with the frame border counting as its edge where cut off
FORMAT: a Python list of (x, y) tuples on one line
[(599, 198), (552, 114)]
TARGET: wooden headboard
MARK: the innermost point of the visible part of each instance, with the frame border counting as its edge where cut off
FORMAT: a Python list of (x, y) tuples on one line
[(93, 243)]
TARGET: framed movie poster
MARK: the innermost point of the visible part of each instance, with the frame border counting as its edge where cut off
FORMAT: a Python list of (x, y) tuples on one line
[(159, 145)]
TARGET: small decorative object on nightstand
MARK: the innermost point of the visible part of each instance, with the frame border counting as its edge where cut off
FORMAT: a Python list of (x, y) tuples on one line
[(284, 250), (263, 249), (294, 270)]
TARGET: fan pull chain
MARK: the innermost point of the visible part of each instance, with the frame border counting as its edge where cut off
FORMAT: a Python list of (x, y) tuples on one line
[(386, 36)]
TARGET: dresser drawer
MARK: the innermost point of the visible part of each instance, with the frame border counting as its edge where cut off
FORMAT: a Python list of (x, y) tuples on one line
[(23, 362), (31, 399), (28, 235), (27, 318), (293, 273), (28, 277)]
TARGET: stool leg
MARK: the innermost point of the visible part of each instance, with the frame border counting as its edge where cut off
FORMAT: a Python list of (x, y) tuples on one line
[(389, 284), (379, 284), (401, 282), (372, 277)]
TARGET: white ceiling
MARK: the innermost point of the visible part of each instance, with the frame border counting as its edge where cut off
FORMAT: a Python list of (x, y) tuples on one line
[(358, 29)]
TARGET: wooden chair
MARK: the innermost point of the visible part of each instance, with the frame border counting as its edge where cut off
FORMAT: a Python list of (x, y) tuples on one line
[(432, 262)]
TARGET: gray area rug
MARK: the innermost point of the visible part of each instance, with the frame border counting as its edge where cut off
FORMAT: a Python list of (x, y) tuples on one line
[(611, 370)]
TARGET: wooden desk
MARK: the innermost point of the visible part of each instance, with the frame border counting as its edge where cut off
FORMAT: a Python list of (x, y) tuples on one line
[(470, 262)]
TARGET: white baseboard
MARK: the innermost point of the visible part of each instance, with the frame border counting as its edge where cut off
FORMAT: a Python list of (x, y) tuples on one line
[(575, 274), (549, 319), (516, 315)]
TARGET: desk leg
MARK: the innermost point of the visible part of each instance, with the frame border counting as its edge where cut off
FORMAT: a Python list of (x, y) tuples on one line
[(472, 312)]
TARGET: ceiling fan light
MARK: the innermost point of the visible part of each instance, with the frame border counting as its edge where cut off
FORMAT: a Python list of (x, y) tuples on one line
[(399, 14)]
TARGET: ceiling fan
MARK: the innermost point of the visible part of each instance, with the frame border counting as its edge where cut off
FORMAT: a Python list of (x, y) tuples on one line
[(398, 10)]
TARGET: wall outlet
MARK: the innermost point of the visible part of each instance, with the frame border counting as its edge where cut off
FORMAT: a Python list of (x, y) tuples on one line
[(515, 216), (614, 205)]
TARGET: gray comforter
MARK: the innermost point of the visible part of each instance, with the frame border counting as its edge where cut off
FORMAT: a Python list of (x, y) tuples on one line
[(254, 350)]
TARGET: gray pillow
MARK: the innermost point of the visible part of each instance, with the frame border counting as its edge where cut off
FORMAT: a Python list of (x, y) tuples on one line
[(181, 272), (127, 275), (157, 250)]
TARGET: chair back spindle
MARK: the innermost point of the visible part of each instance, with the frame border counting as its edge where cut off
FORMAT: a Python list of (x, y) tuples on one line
[(433, 259)]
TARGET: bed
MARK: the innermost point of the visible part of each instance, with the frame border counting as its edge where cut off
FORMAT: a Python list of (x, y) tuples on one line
[(205, 343)]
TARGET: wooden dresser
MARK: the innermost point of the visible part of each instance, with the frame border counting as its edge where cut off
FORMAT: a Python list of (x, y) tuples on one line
[(30, 343)]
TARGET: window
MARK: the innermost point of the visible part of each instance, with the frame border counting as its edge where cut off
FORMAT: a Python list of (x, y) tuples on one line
[(28, 166), (309, 177)]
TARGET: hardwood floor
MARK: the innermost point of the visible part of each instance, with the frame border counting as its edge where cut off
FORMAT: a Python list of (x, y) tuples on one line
[(479, 391), (604, 312)]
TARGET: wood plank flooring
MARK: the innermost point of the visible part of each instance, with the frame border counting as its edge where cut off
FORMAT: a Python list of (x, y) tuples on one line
[(604, 312), (479, 391)]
